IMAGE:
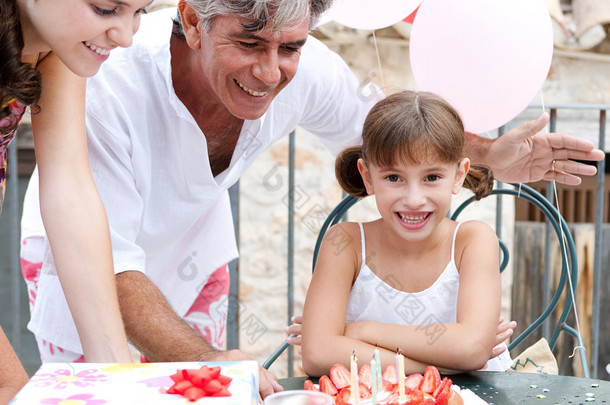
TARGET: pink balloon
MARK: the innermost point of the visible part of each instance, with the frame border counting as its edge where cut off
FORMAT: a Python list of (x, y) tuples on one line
[(489, 58), (371, 15)]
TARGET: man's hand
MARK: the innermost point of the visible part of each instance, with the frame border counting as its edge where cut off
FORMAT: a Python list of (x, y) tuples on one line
[(523, 155), (267, 382), (161, 335)]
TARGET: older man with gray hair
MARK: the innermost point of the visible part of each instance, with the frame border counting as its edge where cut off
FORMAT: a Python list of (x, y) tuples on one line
[(172, 123)]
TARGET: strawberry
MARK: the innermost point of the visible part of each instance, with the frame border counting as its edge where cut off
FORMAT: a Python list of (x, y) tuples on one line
[(412, 398), (390, 374), (308, 386), (432, 379), (413, 381), (342, 397), (392, 399), (428, 400), (364, 376), (340, 376), (365, 392), (443, 392), (387, 386), (327, 386)]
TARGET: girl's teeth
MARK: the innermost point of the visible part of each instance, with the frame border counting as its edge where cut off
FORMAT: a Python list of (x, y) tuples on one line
[(97, 49), (412, 219), (252, 92)]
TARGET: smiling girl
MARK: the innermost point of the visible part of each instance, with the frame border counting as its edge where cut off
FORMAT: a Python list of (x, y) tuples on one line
[(412, 279), (47, 49)]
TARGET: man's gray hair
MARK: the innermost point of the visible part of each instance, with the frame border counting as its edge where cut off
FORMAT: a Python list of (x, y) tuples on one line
[(281, 13)]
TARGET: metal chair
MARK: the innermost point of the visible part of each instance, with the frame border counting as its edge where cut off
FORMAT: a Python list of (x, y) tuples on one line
[(568, 263)]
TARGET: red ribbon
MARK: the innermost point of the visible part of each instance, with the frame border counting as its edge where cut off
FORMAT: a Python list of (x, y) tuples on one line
[(205, 382)]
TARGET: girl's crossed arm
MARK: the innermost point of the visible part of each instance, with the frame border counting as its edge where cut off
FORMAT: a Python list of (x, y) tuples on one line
[(466, 344), (324, 342)]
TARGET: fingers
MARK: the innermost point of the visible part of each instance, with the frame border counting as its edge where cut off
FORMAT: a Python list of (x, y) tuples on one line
[(577, 152), (294, 340), (572, 147), (504, 334), (498, 350), (267, 383), (276, 386), (563, 178), (504, 326), (293, 329), (567, 171), (568, 166), (528, 129)]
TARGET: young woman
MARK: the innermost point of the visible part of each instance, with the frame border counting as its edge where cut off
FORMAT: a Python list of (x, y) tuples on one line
[(47, 50), (412, 279)]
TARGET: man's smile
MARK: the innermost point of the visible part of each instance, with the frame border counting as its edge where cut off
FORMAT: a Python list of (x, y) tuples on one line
[(252, 92)]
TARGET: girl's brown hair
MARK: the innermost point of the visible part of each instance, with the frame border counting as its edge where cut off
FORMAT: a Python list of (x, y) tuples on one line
[(17, 79), (411, 126)]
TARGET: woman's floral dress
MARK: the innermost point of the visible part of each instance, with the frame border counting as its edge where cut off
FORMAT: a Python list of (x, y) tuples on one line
[(10, 114)]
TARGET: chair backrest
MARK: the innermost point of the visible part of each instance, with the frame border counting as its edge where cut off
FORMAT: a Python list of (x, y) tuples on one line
[(566, 284)]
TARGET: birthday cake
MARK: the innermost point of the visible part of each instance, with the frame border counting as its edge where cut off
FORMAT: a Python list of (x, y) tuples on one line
[(147, 383), (373, 387)]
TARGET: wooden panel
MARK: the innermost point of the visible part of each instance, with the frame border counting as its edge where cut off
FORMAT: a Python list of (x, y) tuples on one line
[(577, 204), (527, 295)]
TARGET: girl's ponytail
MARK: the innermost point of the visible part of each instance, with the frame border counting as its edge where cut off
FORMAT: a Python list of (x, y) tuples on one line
[(480, 181), (346, 171)]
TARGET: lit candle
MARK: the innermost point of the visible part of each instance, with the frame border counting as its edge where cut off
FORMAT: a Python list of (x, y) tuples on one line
[(355, 389), (374, 381), (378, 370), (400, 367)]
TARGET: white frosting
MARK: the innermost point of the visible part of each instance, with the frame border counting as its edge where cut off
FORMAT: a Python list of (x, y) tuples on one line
[(469, 397)]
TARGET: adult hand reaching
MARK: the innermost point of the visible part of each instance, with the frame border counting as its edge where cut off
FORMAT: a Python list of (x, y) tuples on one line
[(525, 155), (267, 383)]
